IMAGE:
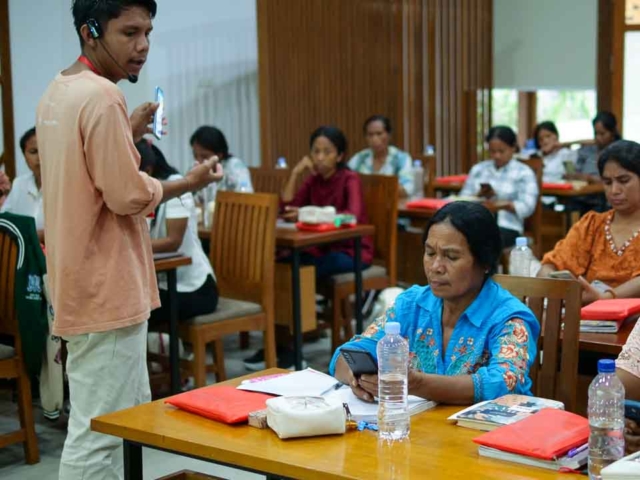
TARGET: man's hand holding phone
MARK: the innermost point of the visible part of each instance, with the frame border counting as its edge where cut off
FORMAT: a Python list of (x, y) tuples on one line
[(486, 191)]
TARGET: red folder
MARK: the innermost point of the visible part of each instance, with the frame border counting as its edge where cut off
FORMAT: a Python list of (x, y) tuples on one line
[(546, 434), (557, 186), (428, 203), (453, 179), (614, 309), (224, 404)]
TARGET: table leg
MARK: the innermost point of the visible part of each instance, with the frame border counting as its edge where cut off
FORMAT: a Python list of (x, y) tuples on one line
[(174, 355), (132, 460), (357, 270), (297, 321)]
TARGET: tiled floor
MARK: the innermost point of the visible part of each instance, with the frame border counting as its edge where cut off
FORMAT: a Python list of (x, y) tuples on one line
[(156, 464)]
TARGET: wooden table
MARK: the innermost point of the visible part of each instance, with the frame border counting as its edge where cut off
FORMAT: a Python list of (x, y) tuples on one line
[(169, 265), (609, 343), (298, 241), (437, 449)]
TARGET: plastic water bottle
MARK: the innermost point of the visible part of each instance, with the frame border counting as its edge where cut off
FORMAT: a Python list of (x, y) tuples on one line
[(393, 369), (243, 187), (418, 179), (606, 419), (520, 259), (281, 163)]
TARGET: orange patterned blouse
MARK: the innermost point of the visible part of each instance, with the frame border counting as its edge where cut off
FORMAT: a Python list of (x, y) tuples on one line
[(585, 251)]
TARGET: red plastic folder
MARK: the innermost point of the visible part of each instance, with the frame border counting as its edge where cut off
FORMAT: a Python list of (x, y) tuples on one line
[(557, 186), (547, 434), (428, 203), (614, 309), (224, 404), (453, 179)]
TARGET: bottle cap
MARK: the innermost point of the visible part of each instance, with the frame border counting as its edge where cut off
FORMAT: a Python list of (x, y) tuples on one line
[(392, 328), (606, 365), (521, 242), (417, 163)]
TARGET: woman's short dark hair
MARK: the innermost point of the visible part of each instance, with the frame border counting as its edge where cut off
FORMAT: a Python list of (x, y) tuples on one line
[(609, 122), (548, 126), (386, 123), (504, 134), (625, 152), (335, 136), (153, 158), (26, 136), (212, 139), (478, 225), (105, 10)]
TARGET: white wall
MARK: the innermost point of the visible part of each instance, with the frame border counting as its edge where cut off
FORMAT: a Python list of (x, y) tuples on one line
[(545, 44), (631, 121), (203, 54)]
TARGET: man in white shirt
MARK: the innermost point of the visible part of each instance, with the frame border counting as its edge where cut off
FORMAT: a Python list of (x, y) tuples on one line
[(25, 197)]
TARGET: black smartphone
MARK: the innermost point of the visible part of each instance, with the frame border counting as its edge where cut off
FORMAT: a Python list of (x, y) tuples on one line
[(360, 362), (632, 410)]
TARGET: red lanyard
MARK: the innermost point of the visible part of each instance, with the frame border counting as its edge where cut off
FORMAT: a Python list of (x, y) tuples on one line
[(89, 63)]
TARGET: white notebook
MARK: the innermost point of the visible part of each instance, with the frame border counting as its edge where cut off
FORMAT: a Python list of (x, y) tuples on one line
[(308, 382), (361, 410)]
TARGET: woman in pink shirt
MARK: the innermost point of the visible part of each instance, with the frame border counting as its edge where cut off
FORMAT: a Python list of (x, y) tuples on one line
[(331, 183)]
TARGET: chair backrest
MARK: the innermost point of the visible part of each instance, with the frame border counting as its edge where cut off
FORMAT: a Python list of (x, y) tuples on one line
[(243, 236), (555, 370), (8, 266), (269, 180), (273, 180), (380, 193), (533, 224), (429, 166)]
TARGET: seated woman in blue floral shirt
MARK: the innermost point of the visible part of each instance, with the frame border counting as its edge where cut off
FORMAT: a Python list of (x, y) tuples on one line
[(469, 339)]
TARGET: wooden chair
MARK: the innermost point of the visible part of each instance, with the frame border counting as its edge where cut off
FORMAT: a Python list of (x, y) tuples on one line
[(269, 180), (380, 194), (242, 253), (11, 360), (429, 166), (555, 371), (533, 224)]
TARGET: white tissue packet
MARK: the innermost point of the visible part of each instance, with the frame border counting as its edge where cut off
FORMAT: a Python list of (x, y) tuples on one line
[(317, 215)]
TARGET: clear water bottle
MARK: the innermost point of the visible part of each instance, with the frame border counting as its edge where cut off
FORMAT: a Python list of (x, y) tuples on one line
[(281, 163), (606, 419), (393, 369), (520, 259), (418, 179), (243, 187)]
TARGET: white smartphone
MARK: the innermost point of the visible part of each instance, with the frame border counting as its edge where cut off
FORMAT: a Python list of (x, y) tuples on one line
[(157, 117)]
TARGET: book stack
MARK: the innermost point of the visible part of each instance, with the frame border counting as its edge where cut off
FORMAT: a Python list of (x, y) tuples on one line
[(508, 409), (607, 316), (550, 438)]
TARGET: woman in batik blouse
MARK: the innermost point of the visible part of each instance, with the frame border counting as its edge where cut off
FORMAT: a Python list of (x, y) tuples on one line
[(469, 339)]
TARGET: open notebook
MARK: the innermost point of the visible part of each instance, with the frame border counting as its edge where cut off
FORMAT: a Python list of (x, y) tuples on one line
[(361, 410)]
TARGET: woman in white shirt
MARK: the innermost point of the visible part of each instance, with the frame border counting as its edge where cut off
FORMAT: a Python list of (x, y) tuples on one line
[(175, 228), (208, 141), (25, 197)]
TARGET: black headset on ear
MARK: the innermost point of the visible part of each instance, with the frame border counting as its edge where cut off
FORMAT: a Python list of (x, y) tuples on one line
[(94, 28)]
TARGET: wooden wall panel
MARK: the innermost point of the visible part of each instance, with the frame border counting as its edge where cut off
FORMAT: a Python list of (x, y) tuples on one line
[(8, 157), (610, 77), (426, 64)]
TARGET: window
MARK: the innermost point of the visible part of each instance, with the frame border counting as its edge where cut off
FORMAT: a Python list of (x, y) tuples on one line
[(571, 111), (631, 115), (504, 107)]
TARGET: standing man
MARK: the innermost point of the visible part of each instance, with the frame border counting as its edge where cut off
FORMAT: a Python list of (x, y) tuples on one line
[(99, 259)]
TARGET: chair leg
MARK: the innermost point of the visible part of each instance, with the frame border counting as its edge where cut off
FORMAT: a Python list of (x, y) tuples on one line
[(347, 317), (270, 346), (336, 323), (244, 340), (218, 358), (25, 409), (199, 362)]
